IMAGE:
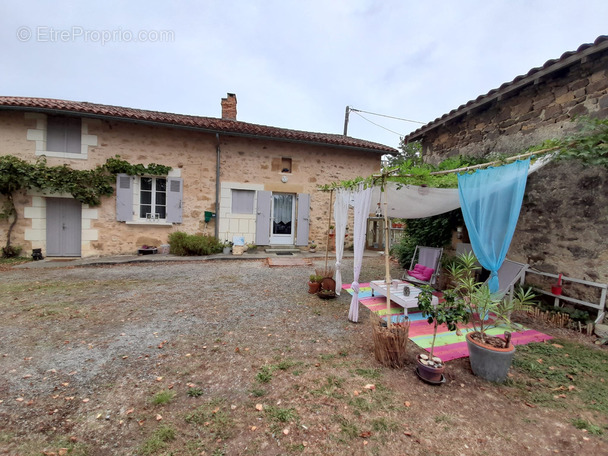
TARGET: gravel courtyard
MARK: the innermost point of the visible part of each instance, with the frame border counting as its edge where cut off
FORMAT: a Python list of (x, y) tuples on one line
[(232, 357)]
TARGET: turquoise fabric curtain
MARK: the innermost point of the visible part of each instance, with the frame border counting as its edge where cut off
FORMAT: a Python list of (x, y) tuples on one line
[(491, 200)]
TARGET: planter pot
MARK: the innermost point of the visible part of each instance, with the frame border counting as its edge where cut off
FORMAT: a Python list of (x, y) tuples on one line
[(556, 290), (314, 287), (430, 374), (226, 250), (490, 363)]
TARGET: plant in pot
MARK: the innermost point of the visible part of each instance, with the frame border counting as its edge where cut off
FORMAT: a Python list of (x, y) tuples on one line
[(490, 355), (314, 283), (227, 247), (312, 248), (450, 311)]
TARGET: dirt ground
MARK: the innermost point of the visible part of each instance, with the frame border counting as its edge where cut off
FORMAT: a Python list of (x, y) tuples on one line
[(234, 358)]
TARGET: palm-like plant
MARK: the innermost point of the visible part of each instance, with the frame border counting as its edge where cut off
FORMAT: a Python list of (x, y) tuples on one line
[(488, 310)]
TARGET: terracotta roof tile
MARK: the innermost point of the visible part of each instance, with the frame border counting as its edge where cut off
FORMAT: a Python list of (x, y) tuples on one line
[(508, 86), (210, 124)]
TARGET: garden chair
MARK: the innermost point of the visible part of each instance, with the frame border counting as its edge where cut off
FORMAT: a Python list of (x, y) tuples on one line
[(424, 267)]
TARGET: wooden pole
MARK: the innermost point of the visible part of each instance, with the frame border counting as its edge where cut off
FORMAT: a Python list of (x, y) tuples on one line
[(331, 194), (387, 262)]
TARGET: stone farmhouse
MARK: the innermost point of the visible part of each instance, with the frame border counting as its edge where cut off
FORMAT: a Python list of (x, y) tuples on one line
[(563, 225), (228, 178)]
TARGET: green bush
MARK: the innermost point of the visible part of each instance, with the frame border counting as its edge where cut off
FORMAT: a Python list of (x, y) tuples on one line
[(433, 231), (183, 244), (176, 243)]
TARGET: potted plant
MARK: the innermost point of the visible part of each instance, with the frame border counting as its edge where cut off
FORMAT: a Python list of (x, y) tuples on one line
[(312, 248), (251, 248), (450, 311), (331, 230), (314, 283), (227, 247), (490, 355)]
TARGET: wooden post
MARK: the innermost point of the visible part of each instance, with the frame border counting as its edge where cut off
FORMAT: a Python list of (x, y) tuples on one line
[(387, 262), (331, 194)]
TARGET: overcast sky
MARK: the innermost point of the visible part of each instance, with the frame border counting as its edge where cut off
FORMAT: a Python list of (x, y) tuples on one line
[(292, 64)]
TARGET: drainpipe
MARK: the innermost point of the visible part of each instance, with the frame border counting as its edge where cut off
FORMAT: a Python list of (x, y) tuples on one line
[(217, 188)]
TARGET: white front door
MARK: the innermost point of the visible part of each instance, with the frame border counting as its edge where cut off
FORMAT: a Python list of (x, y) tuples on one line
[(282, 219)]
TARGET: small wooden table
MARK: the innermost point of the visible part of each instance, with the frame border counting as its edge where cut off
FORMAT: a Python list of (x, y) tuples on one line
[(397, 296)]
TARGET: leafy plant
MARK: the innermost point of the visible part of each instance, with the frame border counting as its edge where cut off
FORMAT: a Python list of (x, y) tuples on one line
[(184, 244), (487, 310), (450, 311), (314, 278)]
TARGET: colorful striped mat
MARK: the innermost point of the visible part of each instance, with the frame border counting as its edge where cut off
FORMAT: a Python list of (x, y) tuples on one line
[(448, 345)]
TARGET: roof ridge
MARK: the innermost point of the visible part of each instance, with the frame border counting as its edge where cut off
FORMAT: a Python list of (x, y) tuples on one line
[(211, 124), (505, 86)]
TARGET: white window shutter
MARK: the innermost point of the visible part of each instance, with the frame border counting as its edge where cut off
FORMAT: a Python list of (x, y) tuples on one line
[(175, 193), (124, 198)]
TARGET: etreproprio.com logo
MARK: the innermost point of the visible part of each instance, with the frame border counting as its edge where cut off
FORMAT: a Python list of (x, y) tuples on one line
[(47, 34)]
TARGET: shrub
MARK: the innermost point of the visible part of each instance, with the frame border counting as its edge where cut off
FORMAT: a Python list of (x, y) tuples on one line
[(11, 251), (183, 244), (176, 243)]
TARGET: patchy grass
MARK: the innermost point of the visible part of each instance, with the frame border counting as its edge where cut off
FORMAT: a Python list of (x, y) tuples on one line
[(563, 375), (163, 397), (213, 418), (157, 441)]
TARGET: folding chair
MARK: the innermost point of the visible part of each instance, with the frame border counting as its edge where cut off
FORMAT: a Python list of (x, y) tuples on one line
[(424, 267)]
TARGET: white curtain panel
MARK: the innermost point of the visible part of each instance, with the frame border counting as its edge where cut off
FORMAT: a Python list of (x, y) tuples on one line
[(340, 219), (363, 197)]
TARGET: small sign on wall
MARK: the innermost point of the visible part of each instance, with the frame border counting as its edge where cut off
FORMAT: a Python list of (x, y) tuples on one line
[(238, 240)]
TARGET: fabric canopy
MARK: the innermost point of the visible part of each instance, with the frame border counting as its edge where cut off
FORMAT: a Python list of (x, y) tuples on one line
[(411, 201)]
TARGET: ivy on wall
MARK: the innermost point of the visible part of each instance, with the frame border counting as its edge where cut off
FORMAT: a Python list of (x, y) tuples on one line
[(87, 186)]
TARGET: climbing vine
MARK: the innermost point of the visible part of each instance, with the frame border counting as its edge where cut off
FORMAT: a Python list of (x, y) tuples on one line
[(86, 186), (589, 145)]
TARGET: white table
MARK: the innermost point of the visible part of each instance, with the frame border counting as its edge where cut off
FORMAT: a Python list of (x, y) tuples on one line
[(397, 296)]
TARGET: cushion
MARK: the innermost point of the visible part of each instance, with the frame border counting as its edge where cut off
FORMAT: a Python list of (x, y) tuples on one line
[(427, 274), (416, 274), (419, 267)]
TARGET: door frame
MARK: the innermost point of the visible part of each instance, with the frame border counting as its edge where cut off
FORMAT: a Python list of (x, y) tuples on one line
[(58, 237), (283, 239)]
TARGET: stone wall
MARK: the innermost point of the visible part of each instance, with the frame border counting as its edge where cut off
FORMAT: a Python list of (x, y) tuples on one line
[(192, 155), (563, 226)]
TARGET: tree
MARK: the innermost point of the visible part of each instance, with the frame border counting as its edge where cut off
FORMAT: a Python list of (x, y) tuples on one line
[(410, 152)]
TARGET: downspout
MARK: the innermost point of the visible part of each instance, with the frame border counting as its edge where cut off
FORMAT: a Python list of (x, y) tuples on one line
[(217, 187)]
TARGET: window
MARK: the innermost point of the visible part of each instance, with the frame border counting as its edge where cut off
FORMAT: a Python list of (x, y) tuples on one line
[(153, 198), (63, 134), (286, 165), (242, 201)]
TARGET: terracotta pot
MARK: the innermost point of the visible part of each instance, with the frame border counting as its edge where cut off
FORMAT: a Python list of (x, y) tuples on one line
[(489, 363), (314, 287)]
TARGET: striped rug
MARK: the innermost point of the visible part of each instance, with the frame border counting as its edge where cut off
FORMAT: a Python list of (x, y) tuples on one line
[(448, 345)]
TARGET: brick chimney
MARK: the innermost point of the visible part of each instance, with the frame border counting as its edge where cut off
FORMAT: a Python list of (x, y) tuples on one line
[(229, 107)]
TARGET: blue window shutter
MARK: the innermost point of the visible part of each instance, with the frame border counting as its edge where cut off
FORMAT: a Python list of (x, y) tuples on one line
[(124, 198), (303, 219), (262, 220), (175, 192)]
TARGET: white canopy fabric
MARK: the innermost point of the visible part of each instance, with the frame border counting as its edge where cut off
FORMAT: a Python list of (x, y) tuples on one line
[(411, 201)]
